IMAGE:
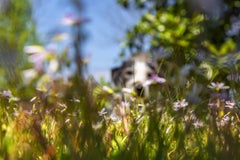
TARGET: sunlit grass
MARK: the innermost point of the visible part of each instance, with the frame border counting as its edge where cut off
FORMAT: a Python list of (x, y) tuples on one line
[(57, 113)]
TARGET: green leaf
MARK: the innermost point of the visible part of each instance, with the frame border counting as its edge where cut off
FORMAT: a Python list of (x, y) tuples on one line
[(227, 47)]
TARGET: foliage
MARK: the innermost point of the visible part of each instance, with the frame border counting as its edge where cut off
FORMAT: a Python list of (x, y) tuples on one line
[(16, 30), (193, 115), (15, 21), (188, 33)]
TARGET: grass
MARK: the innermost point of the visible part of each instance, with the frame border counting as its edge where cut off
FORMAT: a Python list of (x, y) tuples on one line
[(89, 122)]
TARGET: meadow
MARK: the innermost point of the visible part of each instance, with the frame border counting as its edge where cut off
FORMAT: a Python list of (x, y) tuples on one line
[(46, 114)]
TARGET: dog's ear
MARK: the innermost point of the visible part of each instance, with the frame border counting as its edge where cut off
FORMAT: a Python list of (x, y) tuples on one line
[(116, 74)]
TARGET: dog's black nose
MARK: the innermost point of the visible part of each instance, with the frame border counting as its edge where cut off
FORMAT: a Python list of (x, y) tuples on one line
[(139, 90)]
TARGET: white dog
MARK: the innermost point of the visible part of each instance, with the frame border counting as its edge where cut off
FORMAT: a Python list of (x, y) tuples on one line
[(134, 73)]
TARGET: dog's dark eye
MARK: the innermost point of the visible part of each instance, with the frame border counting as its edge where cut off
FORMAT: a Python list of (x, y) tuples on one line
[(129, 73)]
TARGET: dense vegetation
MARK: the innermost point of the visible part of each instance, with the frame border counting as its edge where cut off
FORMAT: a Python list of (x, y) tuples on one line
[(47, 112)]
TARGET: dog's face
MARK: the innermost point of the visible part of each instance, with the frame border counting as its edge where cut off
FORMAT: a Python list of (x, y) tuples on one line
[(134, 73)]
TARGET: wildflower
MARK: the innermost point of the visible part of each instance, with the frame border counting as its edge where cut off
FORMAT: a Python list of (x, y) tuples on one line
[(132, 99), (198, 124), (33, 49), (218, 86), (7, 93), (223, 121), (115, 116), (107, 89), (229, 104), (128, 91), (102, 112), (37, 55), (62, 107), (179, 104), (71, 20), (155, 79), (226, 118), (212, 105), (28, 75), (125, 104)]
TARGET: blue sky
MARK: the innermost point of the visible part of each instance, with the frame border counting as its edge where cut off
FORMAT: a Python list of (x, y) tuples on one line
[(105, 29)]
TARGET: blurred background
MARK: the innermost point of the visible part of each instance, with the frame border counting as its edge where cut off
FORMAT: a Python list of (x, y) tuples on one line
[(49, 49), (105, 28)]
